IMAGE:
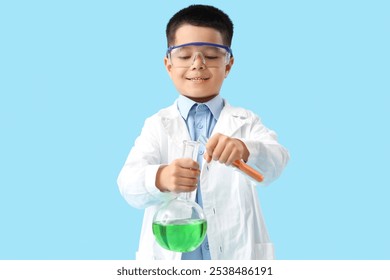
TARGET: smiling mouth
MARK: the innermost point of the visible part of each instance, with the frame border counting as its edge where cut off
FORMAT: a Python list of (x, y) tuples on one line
[(197, 79)]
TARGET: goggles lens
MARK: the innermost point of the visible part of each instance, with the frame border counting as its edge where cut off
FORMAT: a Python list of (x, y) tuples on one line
[(212, 55)]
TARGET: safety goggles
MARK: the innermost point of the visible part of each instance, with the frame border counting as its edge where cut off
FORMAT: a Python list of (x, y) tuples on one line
[(212, 55)]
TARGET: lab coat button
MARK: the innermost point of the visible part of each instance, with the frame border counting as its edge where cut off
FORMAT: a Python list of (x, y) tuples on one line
[(201, 152)]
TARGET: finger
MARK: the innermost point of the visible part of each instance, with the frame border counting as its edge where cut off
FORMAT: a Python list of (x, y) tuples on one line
[(207, 157), (188, 163), (187, 189), (187, 185), (212, 143), (224, 156), (219, 149), (189, 173), (233, 157), (231, 153), (180, 180), (187, 182), (183, 188)]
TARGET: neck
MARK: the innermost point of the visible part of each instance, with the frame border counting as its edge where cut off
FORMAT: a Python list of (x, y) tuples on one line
[(202, 99)]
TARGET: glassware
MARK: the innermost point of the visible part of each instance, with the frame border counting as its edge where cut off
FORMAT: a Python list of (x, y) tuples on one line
[(241, 166), (212, 55), (180, 224)]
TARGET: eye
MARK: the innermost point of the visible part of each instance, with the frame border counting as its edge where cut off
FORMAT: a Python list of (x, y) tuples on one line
[(184, 57), (211, 57)]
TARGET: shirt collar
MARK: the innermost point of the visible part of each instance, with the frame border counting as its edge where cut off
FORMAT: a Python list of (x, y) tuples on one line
[(215, 106), (185, 104)]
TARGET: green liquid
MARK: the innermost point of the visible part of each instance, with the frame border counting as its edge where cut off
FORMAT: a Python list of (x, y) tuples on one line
[(180, 235)]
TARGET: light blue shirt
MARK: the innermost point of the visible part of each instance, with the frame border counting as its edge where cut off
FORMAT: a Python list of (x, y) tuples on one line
[(200, 119)]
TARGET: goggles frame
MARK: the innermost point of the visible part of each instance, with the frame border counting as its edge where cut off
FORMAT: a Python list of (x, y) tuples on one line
[(226, 48)]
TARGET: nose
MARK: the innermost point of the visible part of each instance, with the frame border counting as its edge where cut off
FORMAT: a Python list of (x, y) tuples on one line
[(199, 61)]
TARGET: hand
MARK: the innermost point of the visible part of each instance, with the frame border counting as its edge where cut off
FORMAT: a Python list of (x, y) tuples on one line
[(225, 149), (179, 176)]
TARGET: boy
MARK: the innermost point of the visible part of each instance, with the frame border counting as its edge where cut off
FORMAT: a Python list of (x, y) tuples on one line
[(198, 59)]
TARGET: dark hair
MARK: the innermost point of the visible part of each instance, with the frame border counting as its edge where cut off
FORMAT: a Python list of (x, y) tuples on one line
[(203, 16)]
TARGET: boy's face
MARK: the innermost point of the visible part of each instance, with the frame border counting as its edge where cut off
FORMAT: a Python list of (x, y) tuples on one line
[(198, 82)]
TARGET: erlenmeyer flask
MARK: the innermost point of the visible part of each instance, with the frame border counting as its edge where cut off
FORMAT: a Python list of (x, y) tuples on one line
[(180, 225)]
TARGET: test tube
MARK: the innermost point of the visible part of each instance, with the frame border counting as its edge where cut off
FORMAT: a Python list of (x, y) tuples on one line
[(190, 150), (240, 165)]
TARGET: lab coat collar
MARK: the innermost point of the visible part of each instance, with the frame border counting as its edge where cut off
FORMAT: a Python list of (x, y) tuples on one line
[(231, 119), (174, 125)]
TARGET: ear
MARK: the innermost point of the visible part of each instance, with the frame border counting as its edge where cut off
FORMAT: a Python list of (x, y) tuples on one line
[(229, 66), (168, 66)]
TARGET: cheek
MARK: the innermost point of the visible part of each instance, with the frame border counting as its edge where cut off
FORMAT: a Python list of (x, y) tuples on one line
[(177, 75), (219, 77)]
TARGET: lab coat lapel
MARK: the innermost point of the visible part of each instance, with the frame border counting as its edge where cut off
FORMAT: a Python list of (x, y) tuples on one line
[(174, 126), (230, 120)]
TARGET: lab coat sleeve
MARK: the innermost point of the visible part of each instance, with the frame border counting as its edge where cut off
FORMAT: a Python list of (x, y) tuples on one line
[(137, 178), (265, 152)]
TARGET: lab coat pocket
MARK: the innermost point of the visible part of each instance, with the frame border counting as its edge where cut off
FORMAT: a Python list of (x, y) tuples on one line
[(264, 251)]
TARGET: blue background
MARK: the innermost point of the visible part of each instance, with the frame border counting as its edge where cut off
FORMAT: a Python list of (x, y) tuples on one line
[(78, 78)]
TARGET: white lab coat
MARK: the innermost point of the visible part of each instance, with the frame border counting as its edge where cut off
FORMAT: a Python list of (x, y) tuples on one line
[(235, 225)]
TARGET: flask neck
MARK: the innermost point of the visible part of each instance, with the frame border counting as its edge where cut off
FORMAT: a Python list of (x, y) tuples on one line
[(185, 196)]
